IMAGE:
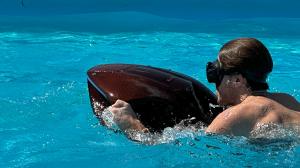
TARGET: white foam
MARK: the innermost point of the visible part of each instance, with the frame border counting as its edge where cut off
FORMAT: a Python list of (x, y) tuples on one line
[(108, 119), (275, 131), (170, 134)]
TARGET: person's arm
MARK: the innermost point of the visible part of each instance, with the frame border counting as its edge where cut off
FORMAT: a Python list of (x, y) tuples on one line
[(236, 120), (125, 117)]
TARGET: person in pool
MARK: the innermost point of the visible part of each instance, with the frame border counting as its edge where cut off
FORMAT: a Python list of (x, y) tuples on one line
[(239, 73)]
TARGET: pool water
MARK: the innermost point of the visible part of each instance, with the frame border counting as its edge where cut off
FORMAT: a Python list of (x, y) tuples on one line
[(46, 119)]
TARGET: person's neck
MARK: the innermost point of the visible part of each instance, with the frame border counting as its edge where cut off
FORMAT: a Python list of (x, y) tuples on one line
[(243, 94)]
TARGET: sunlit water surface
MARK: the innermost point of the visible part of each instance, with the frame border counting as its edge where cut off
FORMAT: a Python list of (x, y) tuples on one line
[(46, 118)]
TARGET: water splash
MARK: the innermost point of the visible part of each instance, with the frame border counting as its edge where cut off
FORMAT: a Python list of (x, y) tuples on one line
[(276, 132)]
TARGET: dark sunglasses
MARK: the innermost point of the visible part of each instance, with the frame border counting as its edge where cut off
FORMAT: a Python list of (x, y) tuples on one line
[(215, 73)]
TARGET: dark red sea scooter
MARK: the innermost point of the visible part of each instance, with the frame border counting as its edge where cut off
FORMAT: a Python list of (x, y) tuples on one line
[(161, 98)]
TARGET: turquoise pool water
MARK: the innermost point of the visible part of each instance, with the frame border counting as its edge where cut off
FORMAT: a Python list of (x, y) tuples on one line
[(46, 119)]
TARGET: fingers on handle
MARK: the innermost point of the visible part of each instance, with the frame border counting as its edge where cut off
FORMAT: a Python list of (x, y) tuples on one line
[(119, 103)]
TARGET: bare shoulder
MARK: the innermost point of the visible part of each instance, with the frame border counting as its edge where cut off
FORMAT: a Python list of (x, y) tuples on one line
[(237, 120), (242, 118)]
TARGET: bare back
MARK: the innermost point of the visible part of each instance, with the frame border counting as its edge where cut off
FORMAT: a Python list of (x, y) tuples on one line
[(276, 109), (284, 99), (265, 108)]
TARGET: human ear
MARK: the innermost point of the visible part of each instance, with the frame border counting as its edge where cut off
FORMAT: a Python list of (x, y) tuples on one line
[(235, 81), (239, 80), (230, 80)]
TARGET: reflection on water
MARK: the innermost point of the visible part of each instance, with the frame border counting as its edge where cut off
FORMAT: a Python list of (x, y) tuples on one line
[(46, 118)]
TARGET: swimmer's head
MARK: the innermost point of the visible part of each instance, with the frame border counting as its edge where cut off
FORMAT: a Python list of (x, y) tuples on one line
[(246, 56)]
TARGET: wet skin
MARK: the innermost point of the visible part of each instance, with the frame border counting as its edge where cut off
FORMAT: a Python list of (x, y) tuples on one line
[(247, 109)]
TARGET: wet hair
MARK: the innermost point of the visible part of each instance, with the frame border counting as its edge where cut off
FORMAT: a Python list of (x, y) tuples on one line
[(251, 57)]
